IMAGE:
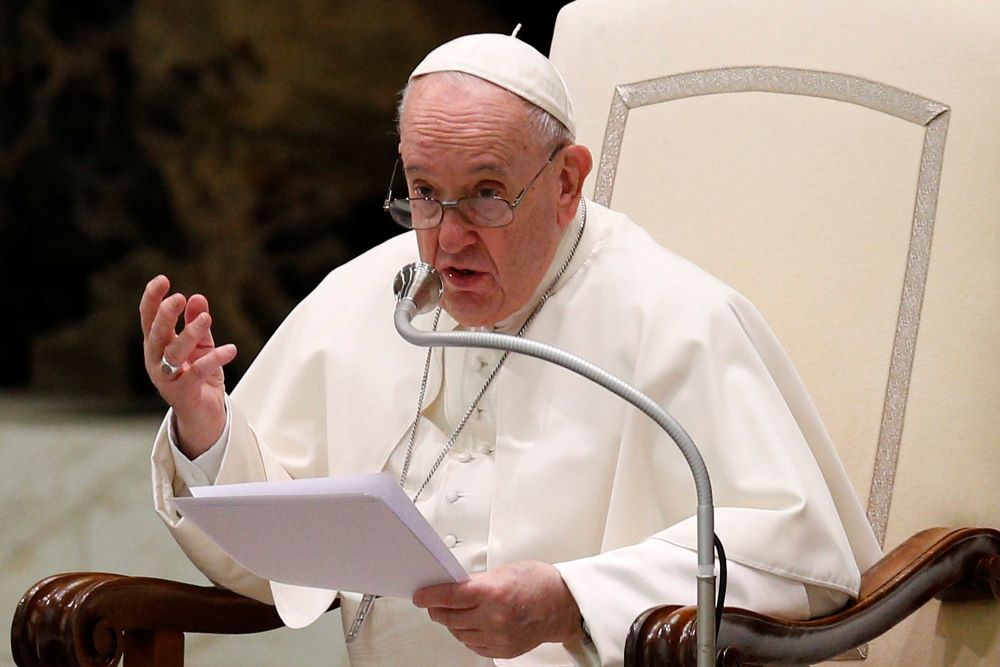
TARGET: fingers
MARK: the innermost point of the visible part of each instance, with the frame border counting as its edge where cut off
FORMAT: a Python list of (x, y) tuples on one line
[(193, 349), (453, 619), (475, 640), (209, 366), (196, 334), (489, 643), (507, 611), (196, 305), (163, 329), (206, 370), (451, 596), (149, 304)]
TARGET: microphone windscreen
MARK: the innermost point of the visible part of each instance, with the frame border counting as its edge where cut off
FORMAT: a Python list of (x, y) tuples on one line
[(420, 283)]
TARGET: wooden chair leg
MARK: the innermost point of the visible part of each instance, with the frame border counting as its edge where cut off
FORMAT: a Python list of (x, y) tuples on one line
[(146, 648)]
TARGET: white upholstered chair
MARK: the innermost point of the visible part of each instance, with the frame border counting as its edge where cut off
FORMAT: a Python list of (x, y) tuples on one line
[(839, 163)]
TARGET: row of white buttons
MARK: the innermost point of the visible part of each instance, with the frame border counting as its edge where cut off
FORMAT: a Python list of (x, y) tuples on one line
[(484, 449), (481, 365), (450, 540)]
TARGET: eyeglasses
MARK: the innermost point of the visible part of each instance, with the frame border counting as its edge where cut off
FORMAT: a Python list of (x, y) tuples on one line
[(480, 210)]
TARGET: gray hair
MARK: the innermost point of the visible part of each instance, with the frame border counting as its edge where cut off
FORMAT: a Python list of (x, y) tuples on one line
[(547, 128)]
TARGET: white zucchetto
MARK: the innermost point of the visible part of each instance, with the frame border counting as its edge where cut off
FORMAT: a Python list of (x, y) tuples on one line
[(509, 63)]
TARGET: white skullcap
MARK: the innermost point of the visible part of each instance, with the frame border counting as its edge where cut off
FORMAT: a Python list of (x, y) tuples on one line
[(509, 63)]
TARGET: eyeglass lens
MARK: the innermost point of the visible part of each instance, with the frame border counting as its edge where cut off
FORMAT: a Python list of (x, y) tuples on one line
[(426, 213)]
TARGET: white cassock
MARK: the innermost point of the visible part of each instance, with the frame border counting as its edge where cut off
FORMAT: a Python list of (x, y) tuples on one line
[(552, 468)]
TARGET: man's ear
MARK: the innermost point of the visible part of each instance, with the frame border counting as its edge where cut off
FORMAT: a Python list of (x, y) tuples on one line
[(575, 163)]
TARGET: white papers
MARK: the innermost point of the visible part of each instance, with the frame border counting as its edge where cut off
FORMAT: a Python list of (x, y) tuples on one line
[(355, 533)]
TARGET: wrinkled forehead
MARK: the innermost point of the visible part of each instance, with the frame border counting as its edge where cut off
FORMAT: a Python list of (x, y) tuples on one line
[(465, 120)]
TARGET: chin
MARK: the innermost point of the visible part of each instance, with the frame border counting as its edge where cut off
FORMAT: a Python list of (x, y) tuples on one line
[(469, 311)]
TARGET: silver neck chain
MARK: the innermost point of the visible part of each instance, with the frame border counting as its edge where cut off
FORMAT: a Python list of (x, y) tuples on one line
[(489, 380), (368, 599)]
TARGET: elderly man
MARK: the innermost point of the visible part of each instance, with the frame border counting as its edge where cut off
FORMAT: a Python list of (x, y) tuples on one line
[(570, 509)]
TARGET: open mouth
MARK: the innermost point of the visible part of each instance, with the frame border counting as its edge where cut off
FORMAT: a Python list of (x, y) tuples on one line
[(462, 278)]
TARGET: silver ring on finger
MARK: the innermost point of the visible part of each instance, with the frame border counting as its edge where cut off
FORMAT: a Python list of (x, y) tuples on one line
[(169, 369)]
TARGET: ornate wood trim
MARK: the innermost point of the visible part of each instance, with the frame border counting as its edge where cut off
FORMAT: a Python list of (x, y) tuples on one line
[(949, 564), (86, 619)]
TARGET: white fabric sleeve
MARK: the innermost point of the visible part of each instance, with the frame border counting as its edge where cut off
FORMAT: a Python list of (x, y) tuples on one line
[(203, 470), (613, 588), (241, 462)]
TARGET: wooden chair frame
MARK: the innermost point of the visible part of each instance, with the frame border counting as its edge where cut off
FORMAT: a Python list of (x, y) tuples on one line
[(949, 564), (94, 620)]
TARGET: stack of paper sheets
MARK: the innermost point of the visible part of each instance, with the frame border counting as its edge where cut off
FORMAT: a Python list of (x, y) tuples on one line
[(353, 533)]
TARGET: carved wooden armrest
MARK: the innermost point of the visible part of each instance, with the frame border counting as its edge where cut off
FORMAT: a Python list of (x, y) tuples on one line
[(91, 619), (950, 564)]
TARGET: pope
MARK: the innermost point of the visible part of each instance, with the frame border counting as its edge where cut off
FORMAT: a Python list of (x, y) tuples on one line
[(571, 510)]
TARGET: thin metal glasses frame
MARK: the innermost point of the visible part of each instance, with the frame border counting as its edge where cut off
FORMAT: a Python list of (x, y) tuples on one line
[(399, 212)]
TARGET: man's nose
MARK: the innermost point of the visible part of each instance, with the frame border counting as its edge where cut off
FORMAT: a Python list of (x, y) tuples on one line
[(456, 232)]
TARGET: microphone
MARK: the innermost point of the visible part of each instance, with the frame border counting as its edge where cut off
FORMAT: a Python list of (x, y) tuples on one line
[(418, 289)]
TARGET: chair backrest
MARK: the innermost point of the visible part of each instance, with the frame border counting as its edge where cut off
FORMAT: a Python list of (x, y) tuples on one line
[(839, 163)]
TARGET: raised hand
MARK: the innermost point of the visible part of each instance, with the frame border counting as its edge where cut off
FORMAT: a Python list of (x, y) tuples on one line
[(185, 367), (506, 612)]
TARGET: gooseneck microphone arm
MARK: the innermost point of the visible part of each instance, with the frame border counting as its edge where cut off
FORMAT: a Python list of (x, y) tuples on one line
[(418, 289)]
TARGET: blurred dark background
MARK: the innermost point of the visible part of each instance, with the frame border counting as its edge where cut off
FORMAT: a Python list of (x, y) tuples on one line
[(241, 147)]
